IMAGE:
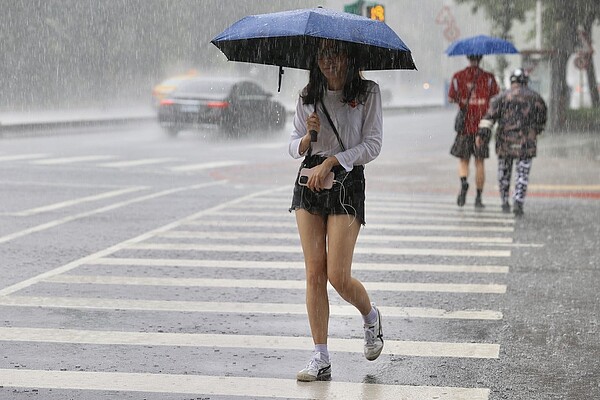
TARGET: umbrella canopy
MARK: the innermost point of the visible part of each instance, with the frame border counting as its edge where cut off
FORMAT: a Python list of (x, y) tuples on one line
[(290, 39), (480, 45)]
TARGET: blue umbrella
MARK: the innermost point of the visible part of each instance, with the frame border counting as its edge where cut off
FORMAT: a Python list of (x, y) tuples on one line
[(290, 39), (480, 45)]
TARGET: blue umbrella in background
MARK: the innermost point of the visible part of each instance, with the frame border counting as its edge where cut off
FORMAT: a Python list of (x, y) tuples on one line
[(290, 39), (480, 46)]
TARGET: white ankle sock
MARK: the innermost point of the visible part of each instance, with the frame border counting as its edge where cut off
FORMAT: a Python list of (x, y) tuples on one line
[(322, 348), (371, 317)]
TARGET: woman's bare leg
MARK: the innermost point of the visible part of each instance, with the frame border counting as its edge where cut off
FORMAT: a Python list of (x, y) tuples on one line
[(313, 232), (463, 167), (479, 173), (342, 232)]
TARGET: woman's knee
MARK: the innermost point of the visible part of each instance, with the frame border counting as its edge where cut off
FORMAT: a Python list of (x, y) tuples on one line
[(316, 275), (340, 282)]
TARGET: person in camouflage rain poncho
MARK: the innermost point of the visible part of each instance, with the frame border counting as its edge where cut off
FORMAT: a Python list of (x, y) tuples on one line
[(521, 116)]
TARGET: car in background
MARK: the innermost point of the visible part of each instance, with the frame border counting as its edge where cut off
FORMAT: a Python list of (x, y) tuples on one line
[(164, 88), (236, 105)]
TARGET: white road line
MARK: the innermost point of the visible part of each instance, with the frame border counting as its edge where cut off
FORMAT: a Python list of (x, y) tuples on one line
[(19, 157), (273, 145), (384, 216), (297, 249), (68, 203), (199, 167), (512, 244), (271, 284), (407, 208), (378, 197), (387, 227), (434, 211), (364, 237), (136, 163), (230, 386), (61, 221), (398, 347), (178, 262), (376, 203), (236, 308), (298, 265), (113, 249), (70, 160)]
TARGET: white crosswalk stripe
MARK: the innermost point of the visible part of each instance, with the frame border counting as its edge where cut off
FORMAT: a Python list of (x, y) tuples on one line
[(50, 160), (408, 216), (295, 249), (271, 284), (387, 227), (234, 308), (254, 234), (137, 163), (406, 348), (71, 160), (204, 166), (19, 157), (365, 237), (230, 386), (357, 266)]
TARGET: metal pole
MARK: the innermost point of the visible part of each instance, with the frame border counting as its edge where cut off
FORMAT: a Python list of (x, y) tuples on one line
[(538, 25)]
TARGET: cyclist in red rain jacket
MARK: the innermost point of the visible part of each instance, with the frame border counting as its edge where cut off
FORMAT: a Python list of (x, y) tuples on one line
[(471, 88)]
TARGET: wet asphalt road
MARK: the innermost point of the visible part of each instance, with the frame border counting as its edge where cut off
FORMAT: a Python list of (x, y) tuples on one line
[(137, 266)]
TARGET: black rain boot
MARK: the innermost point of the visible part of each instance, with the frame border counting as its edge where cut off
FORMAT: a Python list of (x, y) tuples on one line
[(518, 209), (478, 202), (462, 196)]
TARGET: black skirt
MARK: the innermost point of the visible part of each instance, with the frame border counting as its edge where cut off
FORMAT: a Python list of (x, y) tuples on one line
[(347, 196), (464, 147)]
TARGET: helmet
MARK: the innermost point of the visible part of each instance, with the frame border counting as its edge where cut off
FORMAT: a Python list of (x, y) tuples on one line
[(519, 75)]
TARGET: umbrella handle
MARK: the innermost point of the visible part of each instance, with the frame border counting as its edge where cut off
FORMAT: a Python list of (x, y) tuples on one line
[(280, 75), (313, 133)]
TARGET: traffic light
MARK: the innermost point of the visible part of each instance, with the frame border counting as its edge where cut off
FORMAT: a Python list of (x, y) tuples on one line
[(373, 10), (377, 12)]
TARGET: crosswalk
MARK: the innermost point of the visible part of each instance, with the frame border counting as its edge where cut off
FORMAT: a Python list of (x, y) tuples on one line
[(238, 267)]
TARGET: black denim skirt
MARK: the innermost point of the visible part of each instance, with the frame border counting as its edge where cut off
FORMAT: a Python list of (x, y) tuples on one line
[(464, 147), (347, 196)]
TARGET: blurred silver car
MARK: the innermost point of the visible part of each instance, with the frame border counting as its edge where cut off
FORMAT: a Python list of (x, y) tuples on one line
[(236, 105)]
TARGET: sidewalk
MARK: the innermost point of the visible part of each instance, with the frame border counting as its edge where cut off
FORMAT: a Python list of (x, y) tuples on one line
[(11, 118)]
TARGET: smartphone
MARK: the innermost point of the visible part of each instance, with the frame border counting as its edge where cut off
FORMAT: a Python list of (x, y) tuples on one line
[(305, 173)]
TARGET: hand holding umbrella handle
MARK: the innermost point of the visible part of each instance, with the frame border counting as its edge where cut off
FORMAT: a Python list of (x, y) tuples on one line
[(313, 135)]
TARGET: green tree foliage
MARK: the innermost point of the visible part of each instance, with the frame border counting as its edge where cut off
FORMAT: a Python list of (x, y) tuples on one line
[(561, 22)]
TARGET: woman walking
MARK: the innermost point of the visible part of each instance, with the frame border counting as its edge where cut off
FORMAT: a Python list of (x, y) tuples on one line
[(343, 112)]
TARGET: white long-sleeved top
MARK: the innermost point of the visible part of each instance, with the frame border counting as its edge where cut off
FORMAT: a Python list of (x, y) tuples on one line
[(360, 128)]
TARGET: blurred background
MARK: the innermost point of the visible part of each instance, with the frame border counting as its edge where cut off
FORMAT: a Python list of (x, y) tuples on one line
[(59, 54)]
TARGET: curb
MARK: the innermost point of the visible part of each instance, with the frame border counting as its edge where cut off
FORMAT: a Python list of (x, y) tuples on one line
[(34, 127), (40, 127)]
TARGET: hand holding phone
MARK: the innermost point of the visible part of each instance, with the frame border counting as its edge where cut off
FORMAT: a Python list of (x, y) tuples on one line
[(306, 173)]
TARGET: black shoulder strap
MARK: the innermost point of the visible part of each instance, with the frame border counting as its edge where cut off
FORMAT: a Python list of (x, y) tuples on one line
[(337, 135)]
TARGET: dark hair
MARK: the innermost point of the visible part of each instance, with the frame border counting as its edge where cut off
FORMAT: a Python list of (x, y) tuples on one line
[(476, 57), (355, 87)]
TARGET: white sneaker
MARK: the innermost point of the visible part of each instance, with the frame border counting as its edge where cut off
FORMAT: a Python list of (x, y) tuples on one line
[(373, 338), (317, 369)]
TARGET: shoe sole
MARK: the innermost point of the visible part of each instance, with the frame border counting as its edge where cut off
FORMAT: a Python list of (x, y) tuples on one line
[(376, 355), (310, 378)]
